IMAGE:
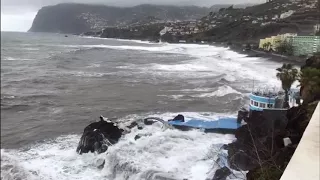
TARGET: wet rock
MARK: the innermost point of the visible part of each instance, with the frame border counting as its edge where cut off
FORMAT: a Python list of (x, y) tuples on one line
[(158, 175), (149, 121), (98, 136), (101, 163), (242, 161), (225, 147), (179, 117), (137, 137), (259, 141), (222, 174)]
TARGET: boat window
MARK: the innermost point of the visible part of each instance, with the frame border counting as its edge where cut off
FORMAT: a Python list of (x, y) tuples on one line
[(256, 104), (270, 105), (262, 105), (251, 102)]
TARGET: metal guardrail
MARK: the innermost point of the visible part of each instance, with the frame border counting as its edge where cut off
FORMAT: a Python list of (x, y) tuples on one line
[(304, 164)]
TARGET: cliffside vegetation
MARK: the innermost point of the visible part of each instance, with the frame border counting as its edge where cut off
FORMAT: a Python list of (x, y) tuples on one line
[(260, 148), (285, 48), (287, 74)]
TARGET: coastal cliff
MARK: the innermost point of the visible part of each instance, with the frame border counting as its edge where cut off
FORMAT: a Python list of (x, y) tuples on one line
[(149, 33), (79, 18), (229, 25), (260, 148)]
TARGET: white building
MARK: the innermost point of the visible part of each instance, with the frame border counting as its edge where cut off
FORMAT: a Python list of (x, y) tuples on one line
[(165, 30), (316, 28), (286, 14)]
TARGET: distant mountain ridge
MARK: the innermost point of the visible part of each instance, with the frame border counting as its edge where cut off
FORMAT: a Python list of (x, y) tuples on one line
[(78, 18)]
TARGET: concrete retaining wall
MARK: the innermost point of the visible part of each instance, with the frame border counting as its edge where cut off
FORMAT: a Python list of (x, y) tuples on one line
[(304, 164)]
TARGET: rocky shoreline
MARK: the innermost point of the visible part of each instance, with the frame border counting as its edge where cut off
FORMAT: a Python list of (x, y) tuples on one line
[(261, 146), (239, 48)]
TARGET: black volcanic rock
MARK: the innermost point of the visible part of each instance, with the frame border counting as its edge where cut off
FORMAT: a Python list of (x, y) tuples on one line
[(79, 18), (97, 136), (222, 174), (259, 147)]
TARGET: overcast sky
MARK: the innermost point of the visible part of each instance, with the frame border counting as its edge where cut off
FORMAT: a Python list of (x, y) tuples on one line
[(17, 15)]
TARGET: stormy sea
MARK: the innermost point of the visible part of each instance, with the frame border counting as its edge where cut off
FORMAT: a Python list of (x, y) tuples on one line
[(53, 86)]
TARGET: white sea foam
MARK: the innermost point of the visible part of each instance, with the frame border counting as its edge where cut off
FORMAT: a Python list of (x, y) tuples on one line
[(93, 65), (180, 67), (126, 40), (176, 97), (16, 59), (88, 74), (208, 61), (173, 151), (205, 92), (31, 49), (221, 91), (196, 90), (183, 154)]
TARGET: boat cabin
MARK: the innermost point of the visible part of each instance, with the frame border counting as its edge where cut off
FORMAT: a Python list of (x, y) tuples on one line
[(260, 100)]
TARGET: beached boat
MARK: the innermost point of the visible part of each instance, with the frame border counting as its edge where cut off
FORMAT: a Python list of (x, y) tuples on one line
[(267, 103), (219, 125), (265, 99)]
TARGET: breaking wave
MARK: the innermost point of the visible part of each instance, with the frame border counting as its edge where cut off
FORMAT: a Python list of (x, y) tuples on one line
[(208, 60), (221, 91), (158, 153)]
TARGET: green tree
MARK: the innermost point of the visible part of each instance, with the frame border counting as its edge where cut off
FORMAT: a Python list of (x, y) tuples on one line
[(285, 48), (269, 45), (287, 75), (264, 46), (309, 79)]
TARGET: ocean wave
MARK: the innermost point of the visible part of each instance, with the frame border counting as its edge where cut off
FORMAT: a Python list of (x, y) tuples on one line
[(195, 90), (93, 65), (179, 67), (180, 97), (125, 40), (159, 152), (4, 97), (207, 61), (89, 74), (31, 49), (15, 59), (220, 92), (167, 49), (11, 169), (15, 107)]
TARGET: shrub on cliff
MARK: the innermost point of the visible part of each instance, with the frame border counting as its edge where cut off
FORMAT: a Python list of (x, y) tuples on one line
[(288, 75), (285, 48), (309, 78), (310, 83)]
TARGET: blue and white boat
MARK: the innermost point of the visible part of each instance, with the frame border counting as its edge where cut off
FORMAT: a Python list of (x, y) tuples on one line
[(260, 102), (222, 125)]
